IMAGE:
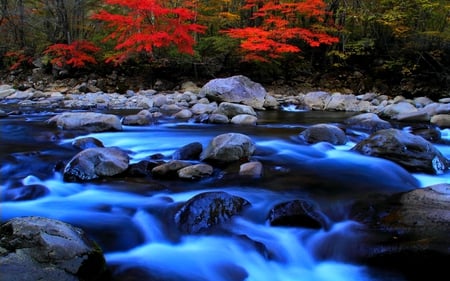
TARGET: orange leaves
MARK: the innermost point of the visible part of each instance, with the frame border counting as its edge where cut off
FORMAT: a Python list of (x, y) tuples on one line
[(280, 25), (76, 54), (147, 24)]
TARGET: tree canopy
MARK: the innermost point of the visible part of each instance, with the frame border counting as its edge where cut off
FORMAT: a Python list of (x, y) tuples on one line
[(396, 38)]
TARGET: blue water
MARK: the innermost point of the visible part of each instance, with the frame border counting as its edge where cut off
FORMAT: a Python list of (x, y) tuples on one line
[(133, 221)]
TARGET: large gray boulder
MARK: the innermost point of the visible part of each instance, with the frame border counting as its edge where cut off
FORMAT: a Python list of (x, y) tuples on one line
[(229, 147), (90, 121), (38, 248), (96, 162), (235, 89), (413, 152)]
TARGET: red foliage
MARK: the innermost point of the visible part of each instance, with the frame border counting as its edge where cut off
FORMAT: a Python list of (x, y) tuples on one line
[(280, 24), (148, 24), (18, 59), (76, 54)]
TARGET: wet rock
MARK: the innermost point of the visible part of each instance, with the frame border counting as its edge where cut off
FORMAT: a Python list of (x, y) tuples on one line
[(93, 163), (87, 142), (143, 117), (253, 169), (235, 89), (233, 109), (169, 169), (37, 248), (229, 147), (412, 152), (142, 168), (367, 122), (324, 132), (207, 210), (441, 120), (196, 171), (190, 151), (402, 107), (244, 119), (91, 121), (407, 231), (301, 213), (218, 119), (316, 100)]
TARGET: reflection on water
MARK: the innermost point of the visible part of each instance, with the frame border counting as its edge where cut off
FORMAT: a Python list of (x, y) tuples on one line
[(133, 221)]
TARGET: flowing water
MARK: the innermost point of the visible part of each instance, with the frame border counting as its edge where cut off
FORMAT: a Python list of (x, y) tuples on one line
[(132, 218)]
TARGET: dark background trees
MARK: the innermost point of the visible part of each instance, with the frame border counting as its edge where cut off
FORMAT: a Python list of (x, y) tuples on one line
[(395, 47)]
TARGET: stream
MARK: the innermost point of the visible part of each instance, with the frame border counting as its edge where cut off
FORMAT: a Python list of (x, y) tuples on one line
[(132, 218)]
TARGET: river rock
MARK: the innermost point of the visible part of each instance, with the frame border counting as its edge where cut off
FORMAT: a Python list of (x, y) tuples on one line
[(169, 169), (143, 117), (244, 119), (207, 210), (412, 152), (235, 89), (441, 120), (252, 169), (196, 171), (233, 109), (93, 163), (316, 100), (367, 122), (190, 151), (411, 231), (324, 132), (37, 248), (87, 142), (228, 147), (91, 121), (300, 212)]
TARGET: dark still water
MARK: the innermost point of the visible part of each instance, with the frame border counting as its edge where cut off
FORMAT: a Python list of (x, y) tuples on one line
[(132, 218)]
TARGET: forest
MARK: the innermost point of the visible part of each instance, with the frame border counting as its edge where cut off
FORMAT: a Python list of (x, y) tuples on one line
[(393, 46)]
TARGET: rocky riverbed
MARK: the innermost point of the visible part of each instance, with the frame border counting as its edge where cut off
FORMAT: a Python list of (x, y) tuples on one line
[(405, 231)]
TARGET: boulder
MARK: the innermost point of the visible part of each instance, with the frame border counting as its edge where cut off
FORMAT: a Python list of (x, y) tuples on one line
[(300, 212), (38, 248), (407, 231), (412, 152), (324, 132), (190, 151), (367, 122), (228, 147), (93, 163), (196, 171), (90, 121), (233, 109), (235, 89), (207, 210)]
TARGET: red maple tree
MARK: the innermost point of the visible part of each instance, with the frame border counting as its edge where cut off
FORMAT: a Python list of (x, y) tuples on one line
[(76, 54), (139, 26), (277, 24)]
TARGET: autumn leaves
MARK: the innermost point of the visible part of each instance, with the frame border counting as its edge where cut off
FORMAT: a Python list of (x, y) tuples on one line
[(136, 28)]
